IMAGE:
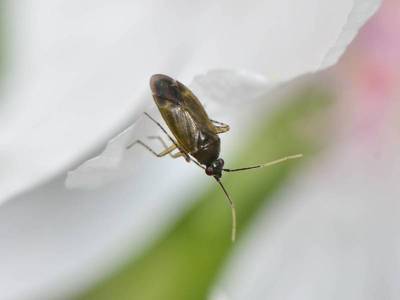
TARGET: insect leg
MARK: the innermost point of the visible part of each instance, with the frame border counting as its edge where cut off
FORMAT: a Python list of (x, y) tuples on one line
[(219, 123), (176, 155), (162, 128), (157, 137), (187, 157), (168, 150), (222, 127), (274, 162)]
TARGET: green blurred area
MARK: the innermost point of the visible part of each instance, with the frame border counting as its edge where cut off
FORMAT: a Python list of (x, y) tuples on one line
[(185, 262)]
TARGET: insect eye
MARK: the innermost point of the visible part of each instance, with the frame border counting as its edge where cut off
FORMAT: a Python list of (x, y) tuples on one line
[(220, 162), (209, 170)]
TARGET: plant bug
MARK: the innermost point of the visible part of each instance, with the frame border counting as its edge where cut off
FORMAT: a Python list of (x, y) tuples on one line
[(195, 134)]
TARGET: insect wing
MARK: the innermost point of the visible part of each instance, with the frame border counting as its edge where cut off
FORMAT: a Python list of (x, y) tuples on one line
[(185, 117)]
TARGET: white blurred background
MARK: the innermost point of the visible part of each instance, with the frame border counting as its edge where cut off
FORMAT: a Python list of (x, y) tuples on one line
[(74, 75)]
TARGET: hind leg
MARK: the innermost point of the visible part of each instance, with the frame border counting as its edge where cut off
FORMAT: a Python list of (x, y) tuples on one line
[(221, 127), (166, 151)]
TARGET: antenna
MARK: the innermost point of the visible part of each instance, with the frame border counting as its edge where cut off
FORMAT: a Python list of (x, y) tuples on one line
[(233, 209), (274, 162)]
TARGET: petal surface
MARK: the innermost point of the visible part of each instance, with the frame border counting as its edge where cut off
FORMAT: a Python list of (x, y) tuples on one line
[(78, 76), (78, 71)]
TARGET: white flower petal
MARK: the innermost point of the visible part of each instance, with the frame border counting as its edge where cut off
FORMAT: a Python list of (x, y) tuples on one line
[(79, 76), (109, 165), (80, 68), (361, 11)]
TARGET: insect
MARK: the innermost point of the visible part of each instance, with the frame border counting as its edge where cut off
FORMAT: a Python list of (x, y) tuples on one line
[(196, 136)]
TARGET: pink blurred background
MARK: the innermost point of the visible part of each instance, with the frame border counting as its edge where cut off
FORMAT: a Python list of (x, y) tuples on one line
[(369, 80)]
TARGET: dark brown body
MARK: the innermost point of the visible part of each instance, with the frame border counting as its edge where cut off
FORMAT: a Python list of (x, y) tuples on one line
[(185, 116), (196, 135)]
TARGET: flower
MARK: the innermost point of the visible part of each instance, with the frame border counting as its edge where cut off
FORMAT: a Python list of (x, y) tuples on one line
[(77, 75), (333, 233)]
